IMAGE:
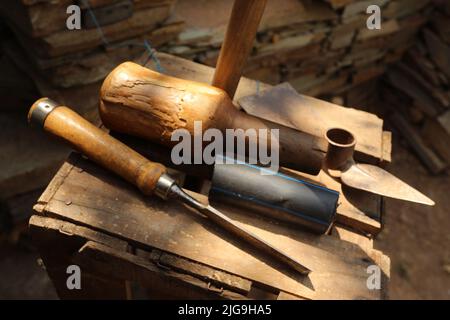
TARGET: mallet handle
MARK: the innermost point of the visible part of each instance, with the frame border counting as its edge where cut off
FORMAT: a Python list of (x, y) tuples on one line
[(238, 42)]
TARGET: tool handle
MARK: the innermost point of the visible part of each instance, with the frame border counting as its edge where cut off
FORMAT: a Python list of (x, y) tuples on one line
[(238, 42), (140, 102), (297, 150), (96, 144)]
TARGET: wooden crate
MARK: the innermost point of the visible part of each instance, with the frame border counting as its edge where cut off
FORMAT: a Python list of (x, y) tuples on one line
[(89, 217)]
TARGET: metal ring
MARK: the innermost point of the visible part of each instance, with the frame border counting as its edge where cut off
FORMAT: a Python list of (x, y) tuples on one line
[(43, 108), (163, 186)]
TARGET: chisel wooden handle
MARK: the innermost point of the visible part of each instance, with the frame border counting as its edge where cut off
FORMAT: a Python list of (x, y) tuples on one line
[(96, 144), (238, 42)]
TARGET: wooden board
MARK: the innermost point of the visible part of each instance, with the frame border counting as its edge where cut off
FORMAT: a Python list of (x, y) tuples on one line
[(108, 264), (282, 104), (58, 242), (85, 194)]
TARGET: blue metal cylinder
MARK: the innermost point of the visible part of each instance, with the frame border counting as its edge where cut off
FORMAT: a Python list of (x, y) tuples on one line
[(275, 195)]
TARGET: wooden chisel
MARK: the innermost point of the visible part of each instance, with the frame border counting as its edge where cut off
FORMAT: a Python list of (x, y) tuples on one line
[(150, 177)]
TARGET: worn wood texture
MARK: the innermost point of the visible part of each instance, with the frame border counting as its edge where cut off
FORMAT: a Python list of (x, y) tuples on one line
[(237, 44), (368, 128), (87, 195), (211, 275), (58, 252), (115, 264), (284, 105), (148, 104), (108, 267)]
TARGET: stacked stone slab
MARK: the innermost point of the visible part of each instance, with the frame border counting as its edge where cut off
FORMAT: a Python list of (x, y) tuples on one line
[(320, 47), (41, 56), (418, 87)]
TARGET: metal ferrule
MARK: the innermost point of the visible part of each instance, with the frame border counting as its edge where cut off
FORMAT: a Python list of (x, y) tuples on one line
[(38, 114), (164, 185)]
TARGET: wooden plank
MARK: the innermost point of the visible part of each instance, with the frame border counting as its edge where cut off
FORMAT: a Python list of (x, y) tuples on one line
[(26, 15), (92, 197), (286, 296), (366, 244), (217, 277), (424, 65), (315, 116), (103, 257), (115, 264), (83, 99), (57, 254), (387, 145)]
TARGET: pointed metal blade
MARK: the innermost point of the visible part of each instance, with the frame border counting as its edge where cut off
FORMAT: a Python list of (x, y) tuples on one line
[(376, 180), (225, 222), (251, 238)]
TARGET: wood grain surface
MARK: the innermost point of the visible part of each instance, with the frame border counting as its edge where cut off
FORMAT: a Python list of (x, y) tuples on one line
[(88, 195)]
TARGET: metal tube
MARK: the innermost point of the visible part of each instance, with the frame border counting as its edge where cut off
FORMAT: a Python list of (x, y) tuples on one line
[(278, 196)]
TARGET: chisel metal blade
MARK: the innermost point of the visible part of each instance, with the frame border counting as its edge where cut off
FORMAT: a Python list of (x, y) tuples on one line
[(376, 180), (225, 222)]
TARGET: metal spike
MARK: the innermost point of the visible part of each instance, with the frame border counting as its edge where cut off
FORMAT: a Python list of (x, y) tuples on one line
[(376, 180)]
